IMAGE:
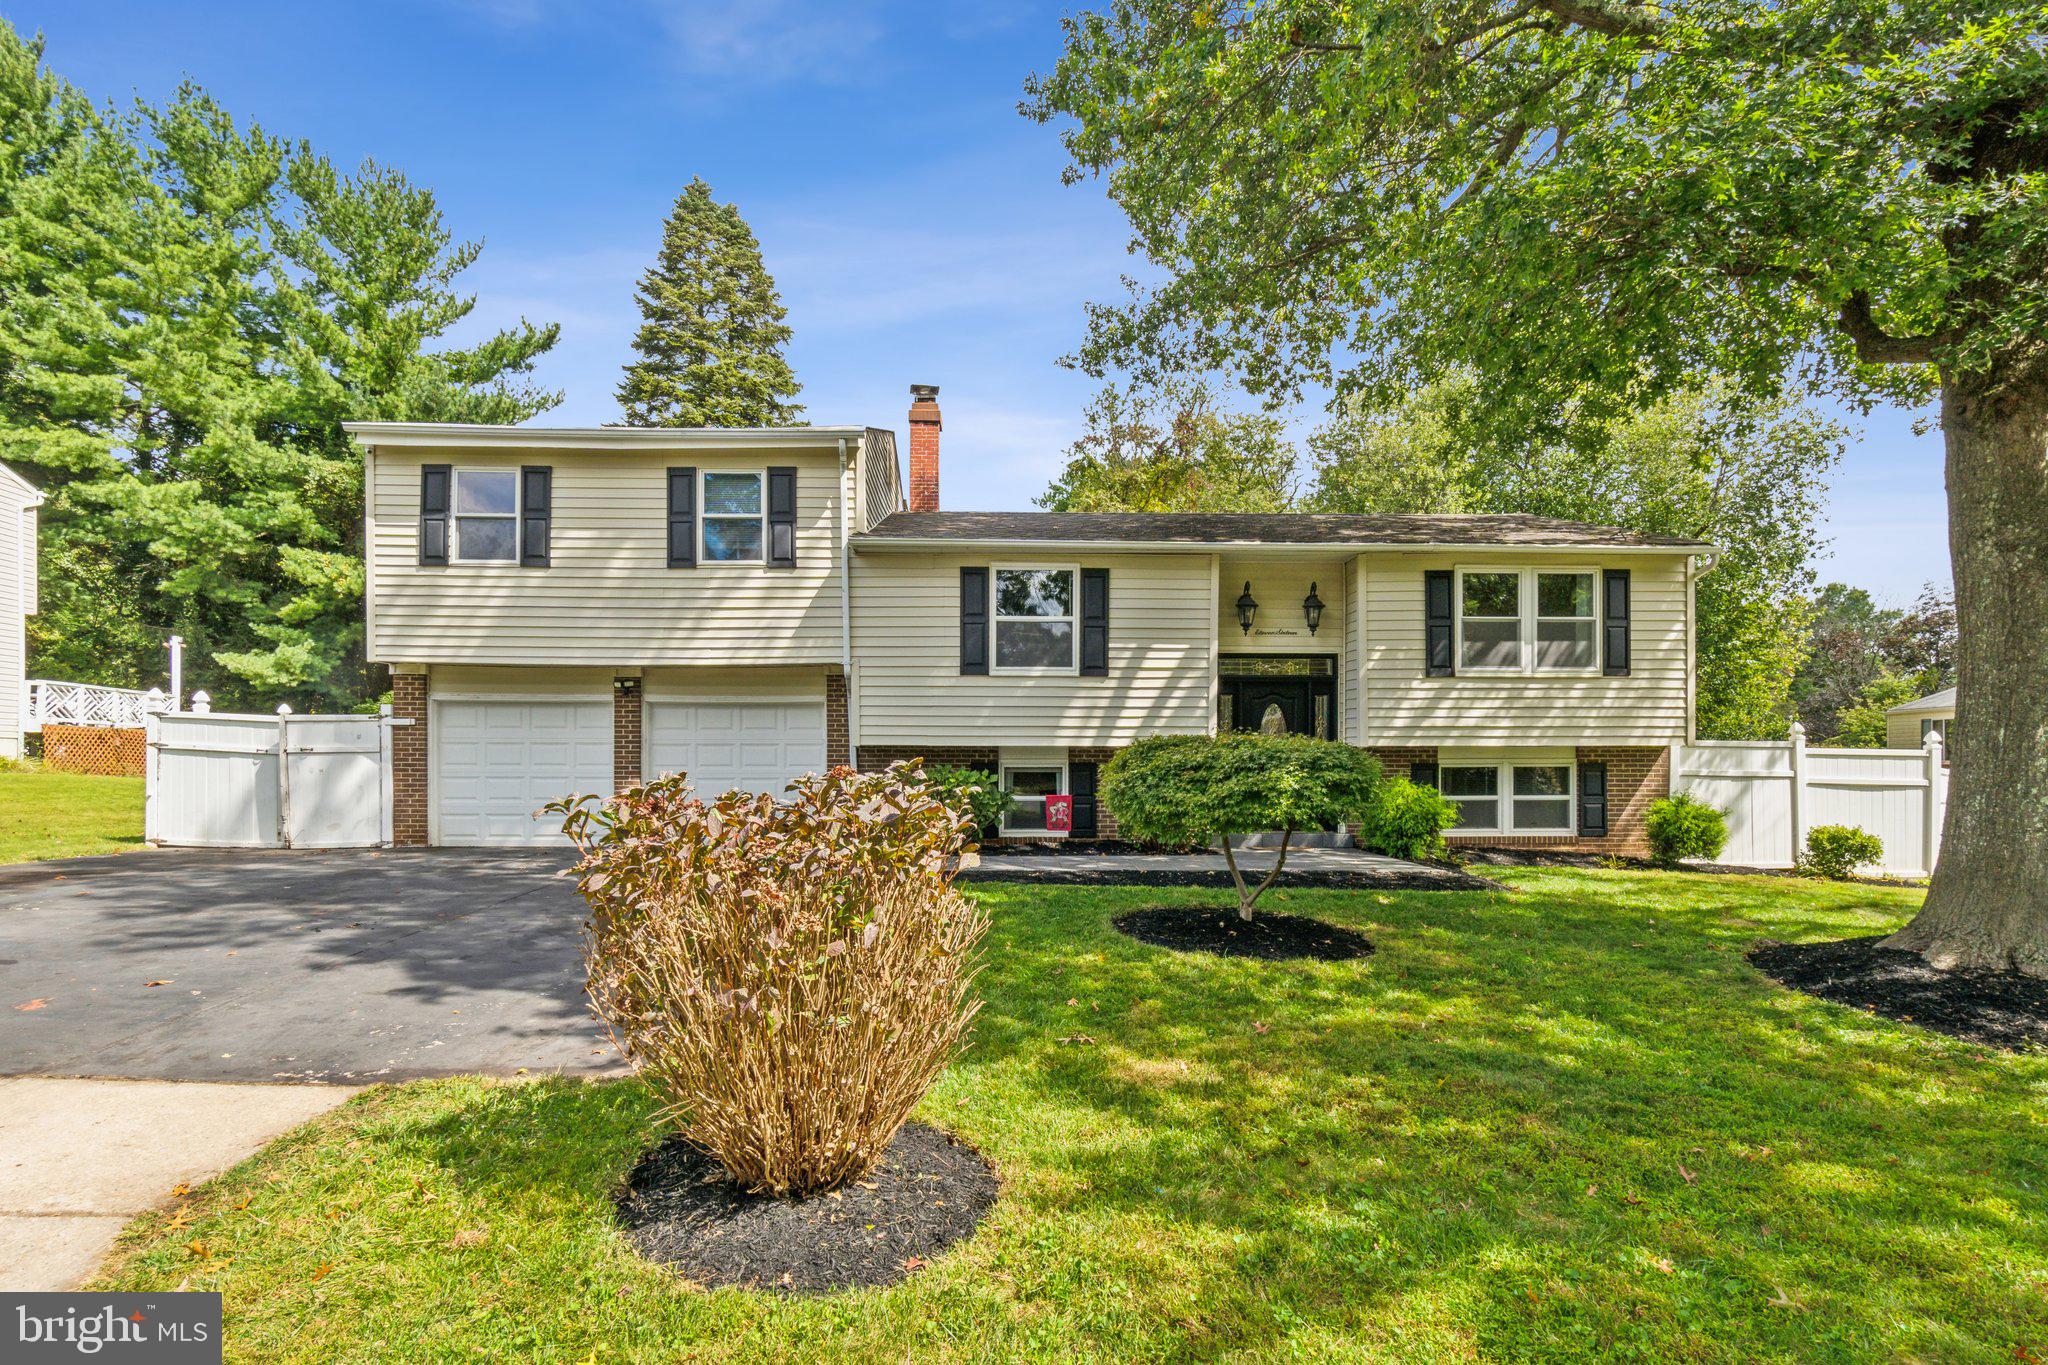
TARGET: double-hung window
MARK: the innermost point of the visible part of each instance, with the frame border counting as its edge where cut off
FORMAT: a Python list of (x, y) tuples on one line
[(1028, 786), (733, 524), (1034, 620), (1510, 798), (486, 516), (1527, 621)]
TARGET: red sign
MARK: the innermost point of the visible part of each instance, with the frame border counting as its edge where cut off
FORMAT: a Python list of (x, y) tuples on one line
[(1059, 813)]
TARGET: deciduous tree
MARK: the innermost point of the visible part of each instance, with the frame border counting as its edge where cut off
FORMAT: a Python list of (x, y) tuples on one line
[(1174, 448), (1595, 203)]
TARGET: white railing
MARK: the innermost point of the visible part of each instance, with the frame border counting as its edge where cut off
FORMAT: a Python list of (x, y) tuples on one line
[(50, 702), (1774, 791)]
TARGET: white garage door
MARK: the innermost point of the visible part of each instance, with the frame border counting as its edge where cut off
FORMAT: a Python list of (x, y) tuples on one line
[(499, 762), (752, 746)]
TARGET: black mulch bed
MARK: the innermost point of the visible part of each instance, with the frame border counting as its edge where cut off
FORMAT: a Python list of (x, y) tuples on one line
[(928, 1192), (1271, 937), (1539, 857), (999, 867), (2001, 1009)]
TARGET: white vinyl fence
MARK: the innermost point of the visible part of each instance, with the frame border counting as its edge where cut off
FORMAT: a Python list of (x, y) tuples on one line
[(1775, 791), (236, 781)]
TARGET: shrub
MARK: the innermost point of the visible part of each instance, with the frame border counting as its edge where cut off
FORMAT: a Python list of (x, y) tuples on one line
[(1683, 826), (1838, 850), (978, 790), (791, 976), (1197, 789), (1406, 820)]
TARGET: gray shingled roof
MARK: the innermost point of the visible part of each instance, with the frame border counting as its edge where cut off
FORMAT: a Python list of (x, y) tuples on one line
[(1944, 700), (1175, 528)]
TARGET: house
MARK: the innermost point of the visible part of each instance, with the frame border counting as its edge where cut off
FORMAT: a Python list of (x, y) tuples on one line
[(19, 500), (1908, 725), (576, 610)]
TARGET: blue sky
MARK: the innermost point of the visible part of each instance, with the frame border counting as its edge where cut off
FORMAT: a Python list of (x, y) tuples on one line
[(914, 221)]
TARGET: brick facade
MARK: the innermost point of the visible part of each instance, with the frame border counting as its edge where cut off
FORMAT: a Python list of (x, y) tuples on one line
[(409, 796), (1635, 778), (1401, 762), (838, 738), (874, 758), (628, 721)]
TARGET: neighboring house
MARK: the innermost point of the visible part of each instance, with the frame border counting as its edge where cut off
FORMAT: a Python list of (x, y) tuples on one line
[(19, 500), (1907, 725), (577, 610)]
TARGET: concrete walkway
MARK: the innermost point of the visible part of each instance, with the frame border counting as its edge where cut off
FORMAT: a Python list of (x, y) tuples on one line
[(79, 1158)]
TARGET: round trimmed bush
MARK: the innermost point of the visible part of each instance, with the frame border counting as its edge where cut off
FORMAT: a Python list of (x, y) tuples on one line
[(1683, 826), (1407, 820), (1836, 851)]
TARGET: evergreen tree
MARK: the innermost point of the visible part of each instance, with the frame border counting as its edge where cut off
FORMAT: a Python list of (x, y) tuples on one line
[(710, 341), (188, 311)]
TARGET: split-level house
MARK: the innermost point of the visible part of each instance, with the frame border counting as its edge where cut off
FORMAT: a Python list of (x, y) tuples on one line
[(578, 610)]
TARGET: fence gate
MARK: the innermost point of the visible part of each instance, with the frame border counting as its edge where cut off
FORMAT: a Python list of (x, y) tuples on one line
[(283, 781)]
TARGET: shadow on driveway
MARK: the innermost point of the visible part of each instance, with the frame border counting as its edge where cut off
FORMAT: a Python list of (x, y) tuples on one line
[(294, 966)]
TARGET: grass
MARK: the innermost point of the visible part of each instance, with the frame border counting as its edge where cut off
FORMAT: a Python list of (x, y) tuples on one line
[(46, 814), (1565, 1122)]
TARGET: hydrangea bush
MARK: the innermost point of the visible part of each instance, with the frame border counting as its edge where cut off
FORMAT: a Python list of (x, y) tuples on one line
[(790, 975)]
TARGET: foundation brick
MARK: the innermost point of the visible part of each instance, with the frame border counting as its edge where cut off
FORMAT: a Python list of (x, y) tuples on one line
[(628, 733)]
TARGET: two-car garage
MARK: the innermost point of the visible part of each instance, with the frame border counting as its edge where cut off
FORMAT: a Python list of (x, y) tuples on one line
[(497, 762)]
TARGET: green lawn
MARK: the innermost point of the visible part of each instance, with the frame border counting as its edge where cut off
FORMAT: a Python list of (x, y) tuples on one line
[(67, 815), (1566, 1122)]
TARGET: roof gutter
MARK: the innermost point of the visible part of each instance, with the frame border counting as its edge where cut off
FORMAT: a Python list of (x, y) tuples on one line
[(454, 435), (1322, 549)]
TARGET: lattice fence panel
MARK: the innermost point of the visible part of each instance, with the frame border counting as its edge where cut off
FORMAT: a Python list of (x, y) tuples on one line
[(109, 752)]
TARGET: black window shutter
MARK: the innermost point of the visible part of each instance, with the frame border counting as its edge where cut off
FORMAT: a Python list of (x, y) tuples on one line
[(1422, 774), (1438, 586), (1592, 799), (781, 518), (1614, 615), (973, 618), (1081, 786), (682, 518), (536, 501), (434, 480), (1094, 623)]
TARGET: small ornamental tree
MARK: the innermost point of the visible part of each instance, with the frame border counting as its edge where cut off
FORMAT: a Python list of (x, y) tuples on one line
[(1193, 789), (790, 976)]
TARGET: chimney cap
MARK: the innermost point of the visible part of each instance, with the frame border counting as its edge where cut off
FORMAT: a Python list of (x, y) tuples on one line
[(924, 393)]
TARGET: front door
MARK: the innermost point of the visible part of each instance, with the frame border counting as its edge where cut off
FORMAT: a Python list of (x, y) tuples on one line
[(1289, 694), (1273, 705)]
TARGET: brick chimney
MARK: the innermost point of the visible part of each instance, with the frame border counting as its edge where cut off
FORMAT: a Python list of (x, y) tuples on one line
[(924, 447)]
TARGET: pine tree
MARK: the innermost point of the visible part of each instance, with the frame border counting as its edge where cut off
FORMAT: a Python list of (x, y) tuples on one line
[(188, 311), (710, 343)]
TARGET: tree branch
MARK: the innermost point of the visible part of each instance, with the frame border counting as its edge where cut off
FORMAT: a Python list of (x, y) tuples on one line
[(1874, 345), (1616, 18)]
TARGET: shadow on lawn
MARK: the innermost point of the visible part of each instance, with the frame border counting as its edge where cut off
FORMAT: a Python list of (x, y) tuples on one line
[(1508, 1077)]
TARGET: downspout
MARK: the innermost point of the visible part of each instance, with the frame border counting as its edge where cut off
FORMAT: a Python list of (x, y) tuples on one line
[(848, 488)]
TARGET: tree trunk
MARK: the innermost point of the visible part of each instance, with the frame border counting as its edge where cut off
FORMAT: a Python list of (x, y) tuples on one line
[(1988, 904)]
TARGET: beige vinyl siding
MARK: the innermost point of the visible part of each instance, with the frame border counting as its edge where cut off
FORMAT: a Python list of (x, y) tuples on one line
[(1402, 706), (17, 599), (608, 597), (1903, 731), (906, 623), (881, 490)]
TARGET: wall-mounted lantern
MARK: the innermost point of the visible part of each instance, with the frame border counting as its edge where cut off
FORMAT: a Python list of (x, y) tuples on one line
[(1312, 609), (1247, 608)]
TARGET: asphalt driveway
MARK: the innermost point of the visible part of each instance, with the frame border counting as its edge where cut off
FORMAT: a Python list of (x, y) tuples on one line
[(342, 967)]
